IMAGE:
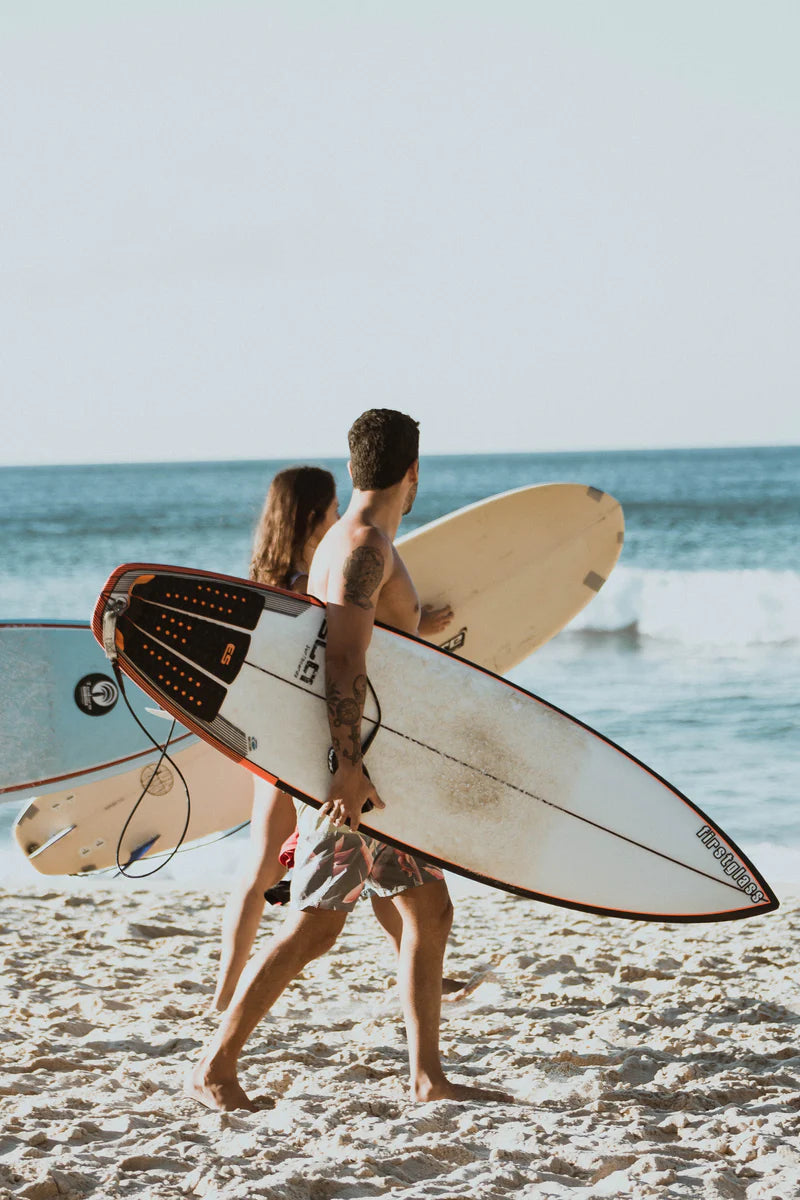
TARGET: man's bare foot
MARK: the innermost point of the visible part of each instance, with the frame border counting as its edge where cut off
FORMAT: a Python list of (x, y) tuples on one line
[(445, 1090), (221, 1095)]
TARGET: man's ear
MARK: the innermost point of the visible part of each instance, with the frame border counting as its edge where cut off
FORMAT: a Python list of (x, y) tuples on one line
[(350, 470), (412, 474)]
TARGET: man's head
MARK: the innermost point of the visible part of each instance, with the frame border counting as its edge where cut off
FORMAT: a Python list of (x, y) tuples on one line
[(384, 446)]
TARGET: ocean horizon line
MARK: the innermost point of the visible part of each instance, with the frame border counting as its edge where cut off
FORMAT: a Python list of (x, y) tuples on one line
[(621, 451)]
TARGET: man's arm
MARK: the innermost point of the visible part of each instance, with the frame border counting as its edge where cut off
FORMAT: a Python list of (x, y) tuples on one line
[(353, 592)]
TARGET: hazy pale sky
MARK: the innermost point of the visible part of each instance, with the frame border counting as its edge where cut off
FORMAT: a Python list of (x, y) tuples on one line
[(228, 228)]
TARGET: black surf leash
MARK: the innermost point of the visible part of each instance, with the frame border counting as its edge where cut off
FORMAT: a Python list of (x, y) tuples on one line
[(122, 869)]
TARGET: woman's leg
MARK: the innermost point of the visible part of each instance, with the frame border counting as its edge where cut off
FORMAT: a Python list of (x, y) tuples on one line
[(273, 821)]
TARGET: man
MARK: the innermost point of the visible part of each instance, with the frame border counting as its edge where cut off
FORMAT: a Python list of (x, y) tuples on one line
[(358, 573)]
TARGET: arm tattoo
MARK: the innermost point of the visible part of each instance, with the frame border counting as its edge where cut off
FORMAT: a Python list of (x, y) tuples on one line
[(363, 571), (344, 713)]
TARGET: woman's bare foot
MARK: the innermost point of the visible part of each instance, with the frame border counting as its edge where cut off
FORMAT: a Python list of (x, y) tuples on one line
[(215, 1092)]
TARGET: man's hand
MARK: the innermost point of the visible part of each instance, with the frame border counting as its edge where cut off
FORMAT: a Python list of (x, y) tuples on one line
[(434, 620), (349, 791)]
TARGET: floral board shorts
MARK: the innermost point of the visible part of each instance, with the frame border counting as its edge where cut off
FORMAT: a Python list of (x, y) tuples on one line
[(333, 867)]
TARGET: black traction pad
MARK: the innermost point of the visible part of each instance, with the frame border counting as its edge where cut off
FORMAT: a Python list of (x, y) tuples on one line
[(196, 693), (230, 603), (217, 649)]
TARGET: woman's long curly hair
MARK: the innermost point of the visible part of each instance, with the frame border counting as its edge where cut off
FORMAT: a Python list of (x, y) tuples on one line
[(297, 500)]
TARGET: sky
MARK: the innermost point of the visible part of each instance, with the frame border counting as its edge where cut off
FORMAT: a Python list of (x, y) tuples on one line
[(228, 228)]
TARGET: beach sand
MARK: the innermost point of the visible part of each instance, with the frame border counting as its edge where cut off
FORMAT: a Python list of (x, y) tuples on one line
[(647, 1060)]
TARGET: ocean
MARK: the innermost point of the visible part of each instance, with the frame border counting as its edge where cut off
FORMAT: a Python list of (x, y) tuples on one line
[(689, 657)]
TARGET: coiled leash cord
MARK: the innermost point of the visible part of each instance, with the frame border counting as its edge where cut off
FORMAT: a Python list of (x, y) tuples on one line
[(163, 755)]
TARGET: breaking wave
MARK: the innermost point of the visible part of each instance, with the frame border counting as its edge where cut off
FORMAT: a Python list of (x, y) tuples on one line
[(714, 608)]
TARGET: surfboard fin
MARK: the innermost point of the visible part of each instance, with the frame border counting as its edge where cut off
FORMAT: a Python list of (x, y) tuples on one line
[(51, 841), (140, 851)]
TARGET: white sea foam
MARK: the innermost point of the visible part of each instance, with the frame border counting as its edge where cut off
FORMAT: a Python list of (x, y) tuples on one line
[(213, 866), (779, 864), (714, 608)]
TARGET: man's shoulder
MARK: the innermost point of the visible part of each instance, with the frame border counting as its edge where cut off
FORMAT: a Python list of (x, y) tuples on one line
[(362, 562), (356, 534)]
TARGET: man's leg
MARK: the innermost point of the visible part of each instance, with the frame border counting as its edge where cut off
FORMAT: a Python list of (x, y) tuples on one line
[(304, 936), (426, 914), (391, 921)]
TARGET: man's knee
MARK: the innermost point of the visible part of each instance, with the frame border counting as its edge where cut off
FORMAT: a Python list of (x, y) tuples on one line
[(446, 919), (439, 918), (317, 933), (324, 941)]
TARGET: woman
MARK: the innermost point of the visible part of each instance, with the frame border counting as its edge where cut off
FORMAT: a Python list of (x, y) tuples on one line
[(300, 507)]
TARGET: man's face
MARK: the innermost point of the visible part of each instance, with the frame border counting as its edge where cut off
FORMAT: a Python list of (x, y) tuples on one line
[(411, 495)]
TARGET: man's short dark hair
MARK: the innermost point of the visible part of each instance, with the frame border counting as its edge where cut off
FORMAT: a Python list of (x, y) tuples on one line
[(383, 445)]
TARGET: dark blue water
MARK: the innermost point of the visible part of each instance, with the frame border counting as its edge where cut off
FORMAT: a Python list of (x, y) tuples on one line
[(689, 657), (685, 510)]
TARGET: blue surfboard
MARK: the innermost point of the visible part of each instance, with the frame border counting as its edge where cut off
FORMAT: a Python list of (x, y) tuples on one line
[(61, 713)]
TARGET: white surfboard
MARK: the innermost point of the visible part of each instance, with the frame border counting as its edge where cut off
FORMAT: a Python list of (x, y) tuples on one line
[(516, 568), (140, 813), (478, 775)]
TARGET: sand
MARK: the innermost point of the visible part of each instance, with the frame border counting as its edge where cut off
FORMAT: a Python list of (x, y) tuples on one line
[(647, 1060)]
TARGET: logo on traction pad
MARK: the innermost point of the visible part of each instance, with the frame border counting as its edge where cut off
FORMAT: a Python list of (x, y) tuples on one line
[(96, 695)]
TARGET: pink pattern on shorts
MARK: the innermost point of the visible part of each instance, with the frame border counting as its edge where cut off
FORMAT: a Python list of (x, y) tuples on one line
[(333, 867)]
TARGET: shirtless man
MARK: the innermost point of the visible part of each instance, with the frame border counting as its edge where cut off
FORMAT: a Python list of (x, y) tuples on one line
[(358, 573)]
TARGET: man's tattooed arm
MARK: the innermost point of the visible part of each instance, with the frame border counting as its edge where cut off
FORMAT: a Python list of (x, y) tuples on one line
[(344, 716), (363, 572), (349, 631)]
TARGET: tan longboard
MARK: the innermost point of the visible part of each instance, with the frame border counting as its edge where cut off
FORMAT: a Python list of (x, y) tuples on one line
[(515, 568), (82, 829)]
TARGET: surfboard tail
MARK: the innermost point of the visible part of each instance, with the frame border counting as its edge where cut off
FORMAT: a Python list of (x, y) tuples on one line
[(159, 635)]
